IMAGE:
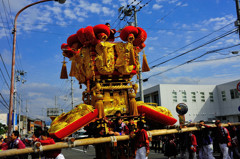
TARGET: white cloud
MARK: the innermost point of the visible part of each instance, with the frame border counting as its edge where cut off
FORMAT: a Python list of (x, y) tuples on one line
[(150, 48), (106, 1), (157, 6), (69, 14)]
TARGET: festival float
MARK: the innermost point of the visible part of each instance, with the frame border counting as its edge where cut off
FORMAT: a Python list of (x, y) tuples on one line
[(106, 68)]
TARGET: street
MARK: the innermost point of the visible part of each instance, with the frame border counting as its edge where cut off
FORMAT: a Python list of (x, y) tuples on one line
[(78, 153)]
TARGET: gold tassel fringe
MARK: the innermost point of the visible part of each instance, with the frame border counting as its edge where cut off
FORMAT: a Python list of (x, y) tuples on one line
[(145, 67), (73, 69), (64, 71)]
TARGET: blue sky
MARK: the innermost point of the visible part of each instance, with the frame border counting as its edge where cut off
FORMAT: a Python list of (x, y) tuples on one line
[(170, 24)]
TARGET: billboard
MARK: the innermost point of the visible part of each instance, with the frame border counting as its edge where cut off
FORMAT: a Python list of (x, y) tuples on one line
[(54, 111)]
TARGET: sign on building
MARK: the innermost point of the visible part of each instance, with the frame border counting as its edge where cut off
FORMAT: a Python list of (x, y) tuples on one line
[(54, 111)]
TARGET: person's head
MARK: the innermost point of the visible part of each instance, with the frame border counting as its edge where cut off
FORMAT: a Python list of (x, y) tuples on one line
[(44, 135), (14, 135), (140, 125), (38, 132), (218, 123), (118, 113), (201, 122), (108, 25), (119, 120), (131, 121)]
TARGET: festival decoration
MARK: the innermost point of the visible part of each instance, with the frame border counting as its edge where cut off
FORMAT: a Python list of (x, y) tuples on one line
[(106, 69)]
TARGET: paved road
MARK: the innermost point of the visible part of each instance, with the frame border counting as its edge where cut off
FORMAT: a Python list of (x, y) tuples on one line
[(78, 153)]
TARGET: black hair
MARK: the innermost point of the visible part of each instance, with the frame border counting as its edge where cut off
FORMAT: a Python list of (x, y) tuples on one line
[(130, 118), (16, 133), (107, 23), (140, 124), (201, 121), (117, 112), (45, 133), (118, 118)]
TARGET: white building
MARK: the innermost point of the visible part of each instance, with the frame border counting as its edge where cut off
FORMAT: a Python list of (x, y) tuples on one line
[(205, 102)]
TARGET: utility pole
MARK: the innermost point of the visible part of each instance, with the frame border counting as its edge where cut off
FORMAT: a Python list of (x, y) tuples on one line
[(27, 116), (15, 101), (72, 92), (17, 78), (55, 101), (19, 116), (140, 69), (237, 22)]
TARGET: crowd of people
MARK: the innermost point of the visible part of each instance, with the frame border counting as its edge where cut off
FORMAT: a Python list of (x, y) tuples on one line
[(15, 142), (186, 145), (203, 143)]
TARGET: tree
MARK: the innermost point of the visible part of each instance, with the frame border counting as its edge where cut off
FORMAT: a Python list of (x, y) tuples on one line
[(3, 129)]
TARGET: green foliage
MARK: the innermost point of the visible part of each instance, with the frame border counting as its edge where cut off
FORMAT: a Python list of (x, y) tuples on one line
[(3, 129)]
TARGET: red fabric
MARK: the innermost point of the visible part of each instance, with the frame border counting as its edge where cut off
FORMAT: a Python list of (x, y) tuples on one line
[(81, 35), (223, 135), (4, 146), (128, 30), (193, 140), (67, 51), (90, 36), (72, 39), (15, 144), (156, 116), (69, 129), (141, 139), (52, 153), (141, 37), (142, 46), (101, 28)]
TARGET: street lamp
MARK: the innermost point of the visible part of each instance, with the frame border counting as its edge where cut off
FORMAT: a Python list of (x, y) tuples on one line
[(13, 60)]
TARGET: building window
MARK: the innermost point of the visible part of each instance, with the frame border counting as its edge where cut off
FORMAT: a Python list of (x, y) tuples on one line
[(184, 96), (156, 98), (211, 96), (223, 96), (202, 96), (174, 95), (193, 96), (234, 93), (147, 99)]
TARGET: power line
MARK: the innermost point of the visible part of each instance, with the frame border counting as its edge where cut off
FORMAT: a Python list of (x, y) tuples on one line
[(5, 103), (189, 61), (191, 43), (216, 59), (5, 67), (4, 78), (211, 41)]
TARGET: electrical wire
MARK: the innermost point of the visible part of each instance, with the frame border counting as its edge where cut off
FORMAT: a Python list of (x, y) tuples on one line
[(5, 103), (216, 59), (189, 61), (209, 42), (191, 43), (5, 67)]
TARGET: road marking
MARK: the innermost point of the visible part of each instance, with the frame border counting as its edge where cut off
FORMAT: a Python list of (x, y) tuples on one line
[(77, 149)]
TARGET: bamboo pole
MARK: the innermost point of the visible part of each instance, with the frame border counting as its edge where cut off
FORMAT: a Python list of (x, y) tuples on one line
[(93, 141)]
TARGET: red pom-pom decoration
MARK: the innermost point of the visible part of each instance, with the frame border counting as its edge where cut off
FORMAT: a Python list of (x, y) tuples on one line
[(81, 36), (67, 51), (90, 35), (101, 28), (65, 46), (72, 39), (141, 37), (128, 30), (142, 45)]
